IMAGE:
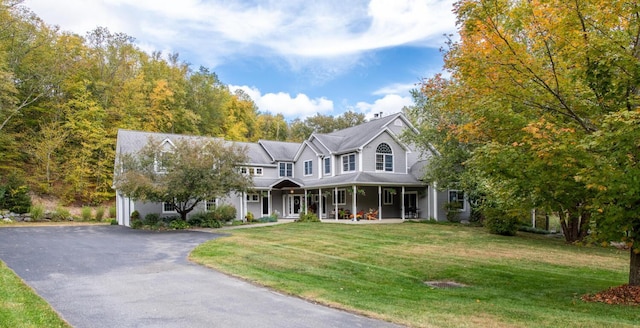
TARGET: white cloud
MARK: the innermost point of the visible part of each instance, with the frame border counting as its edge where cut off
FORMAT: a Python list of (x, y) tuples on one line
[(386, 105), (290, 29), (300, 106), (396, 88)]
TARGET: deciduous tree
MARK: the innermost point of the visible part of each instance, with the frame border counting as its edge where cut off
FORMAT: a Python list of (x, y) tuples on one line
[(193, 170)]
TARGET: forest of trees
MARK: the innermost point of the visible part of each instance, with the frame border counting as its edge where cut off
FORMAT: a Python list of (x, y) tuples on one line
[(64, 96)]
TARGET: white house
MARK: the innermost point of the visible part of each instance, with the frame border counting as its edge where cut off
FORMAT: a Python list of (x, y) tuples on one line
[(366, 170)]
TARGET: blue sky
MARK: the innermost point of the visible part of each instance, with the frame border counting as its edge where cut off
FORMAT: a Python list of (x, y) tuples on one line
[(292, 57)]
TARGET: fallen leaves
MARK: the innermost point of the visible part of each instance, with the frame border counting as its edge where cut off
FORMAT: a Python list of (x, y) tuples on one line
[(623, 295)]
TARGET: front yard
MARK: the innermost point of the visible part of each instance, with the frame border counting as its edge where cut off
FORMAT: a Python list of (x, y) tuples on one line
[(383, 271)]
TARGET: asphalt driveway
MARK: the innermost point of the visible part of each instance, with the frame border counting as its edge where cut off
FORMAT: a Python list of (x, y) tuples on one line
[(113, 276)]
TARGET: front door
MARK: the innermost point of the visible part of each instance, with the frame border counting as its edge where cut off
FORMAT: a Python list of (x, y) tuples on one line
[(265, 205), (410, 204), (294, 205)]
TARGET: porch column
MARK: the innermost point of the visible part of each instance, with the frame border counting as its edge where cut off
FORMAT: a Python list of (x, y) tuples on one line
[(379, 202), (320, 203), (402, 208), (335, 198), (354, 208), (243, 206), (435, 201), (269, 200), (306, 203)]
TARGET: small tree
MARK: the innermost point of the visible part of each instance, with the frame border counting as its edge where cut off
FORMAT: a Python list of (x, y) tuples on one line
[(190, 172)]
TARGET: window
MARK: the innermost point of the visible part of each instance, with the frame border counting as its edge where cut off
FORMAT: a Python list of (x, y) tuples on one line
[(384, 158), (327, 165), (210, 204), (387, 196), (308, 167), (168, 207), (251, 170), (162, 161), (340, 198), (457, 197), (349, 163), (286, 169), (253, 198)]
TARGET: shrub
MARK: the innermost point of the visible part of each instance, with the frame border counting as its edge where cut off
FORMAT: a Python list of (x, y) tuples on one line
[(99, 213), (112, 212), (266, 219), (136, 224), (223, 213), (453, 211), (37, 212), (249, 217), (85, 213), (197, 219), (500, 222), (212, 223), (178, 224), (61, 214), (309, 217), (151, 219), (135, 215), (114, 222), (14, 195)]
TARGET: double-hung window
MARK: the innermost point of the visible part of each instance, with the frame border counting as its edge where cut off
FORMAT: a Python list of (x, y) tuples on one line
[(349, 163), (457, 197), (327, 165), (308, 167), (285, 169)]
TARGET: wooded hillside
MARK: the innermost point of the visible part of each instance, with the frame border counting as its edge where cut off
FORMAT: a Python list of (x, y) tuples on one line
[(64, 96)]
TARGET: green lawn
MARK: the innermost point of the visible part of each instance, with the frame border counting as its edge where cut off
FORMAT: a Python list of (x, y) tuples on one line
[(21, 307), (380, 270)]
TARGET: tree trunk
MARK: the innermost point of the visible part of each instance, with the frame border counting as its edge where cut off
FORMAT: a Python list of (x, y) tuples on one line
[(634, 266)]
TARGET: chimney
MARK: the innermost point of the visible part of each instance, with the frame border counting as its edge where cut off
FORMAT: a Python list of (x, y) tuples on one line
[(375, 115), (380, 115)]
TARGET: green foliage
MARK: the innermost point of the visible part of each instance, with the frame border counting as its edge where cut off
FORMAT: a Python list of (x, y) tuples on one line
[(99, 214), (135, 215), (85, 213), (224, 213), (178, 224), (37, 212), (309, 217), (14, 194), (501, 222), (61, 214), (266, 219), (136, 224), (112, 211), (151, 219), (249, 217), (204, 220), (113, 222), (453, 211)]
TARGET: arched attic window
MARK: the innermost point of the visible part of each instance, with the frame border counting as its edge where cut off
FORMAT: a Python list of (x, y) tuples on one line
[(384, 158)]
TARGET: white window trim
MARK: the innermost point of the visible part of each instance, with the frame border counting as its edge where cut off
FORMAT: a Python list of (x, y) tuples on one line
[(168, 212), (387, 196), (310, 173), (464, 205), (342, 162), (208, 203), (337, 194), (157, 162), (253, 198), (286, 164), (324, 166)]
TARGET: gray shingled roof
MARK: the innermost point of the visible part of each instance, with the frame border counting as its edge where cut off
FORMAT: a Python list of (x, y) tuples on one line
[(352, 138), (256, 154), (130, 141), (279, 150), (366, 178)]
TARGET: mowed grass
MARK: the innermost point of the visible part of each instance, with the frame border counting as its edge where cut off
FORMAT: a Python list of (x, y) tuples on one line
[(380, 270), (21, 307)]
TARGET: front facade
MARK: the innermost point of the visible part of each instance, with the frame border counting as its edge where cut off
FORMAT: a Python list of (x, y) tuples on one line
[(364, 172)]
